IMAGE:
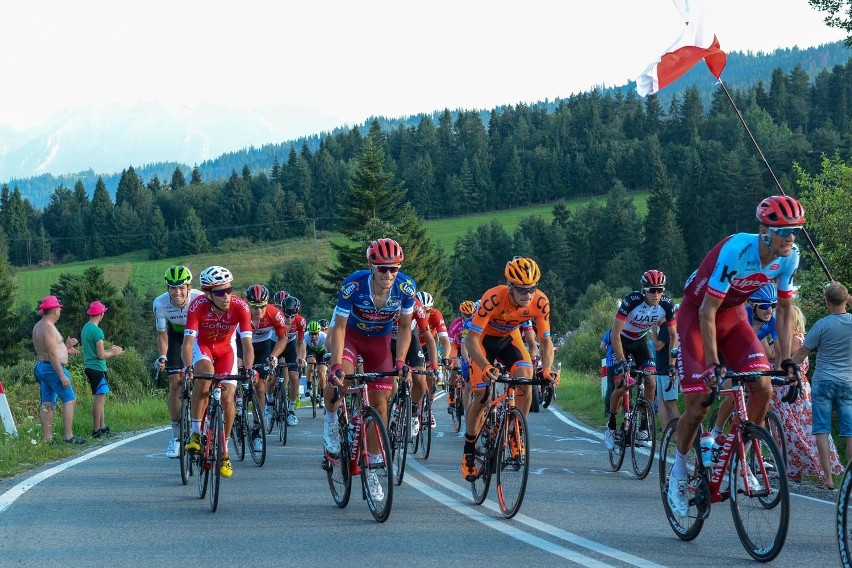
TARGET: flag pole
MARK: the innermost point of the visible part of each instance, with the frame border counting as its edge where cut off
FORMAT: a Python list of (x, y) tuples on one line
[(775, 179)]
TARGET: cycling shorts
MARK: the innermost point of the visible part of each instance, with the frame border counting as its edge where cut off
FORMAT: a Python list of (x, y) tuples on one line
[(509, 350), (222, 355), (735, 339), (375, 350), (415, 356), (644, 357), (290, 356), (174, 361)]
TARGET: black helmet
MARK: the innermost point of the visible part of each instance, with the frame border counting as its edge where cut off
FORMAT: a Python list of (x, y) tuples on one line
[(291, 306)]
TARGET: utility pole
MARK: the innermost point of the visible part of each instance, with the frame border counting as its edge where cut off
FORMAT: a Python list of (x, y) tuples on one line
[(316, 245)]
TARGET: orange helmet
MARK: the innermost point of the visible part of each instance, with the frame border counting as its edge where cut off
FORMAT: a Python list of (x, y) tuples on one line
[(780, 211), (466, 308), (522, 271)]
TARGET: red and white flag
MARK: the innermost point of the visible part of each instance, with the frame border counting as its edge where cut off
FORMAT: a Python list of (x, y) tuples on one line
[(694, 44)]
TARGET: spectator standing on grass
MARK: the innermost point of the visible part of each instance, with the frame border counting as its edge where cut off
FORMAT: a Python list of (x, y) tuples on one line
[(668, 385), (53, 378), (831, 384), (95, 366)]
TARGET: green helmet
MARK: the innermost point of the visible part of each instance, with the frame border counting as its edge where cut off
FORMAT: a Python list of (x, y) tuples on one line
[(314, 327), (177, 275)]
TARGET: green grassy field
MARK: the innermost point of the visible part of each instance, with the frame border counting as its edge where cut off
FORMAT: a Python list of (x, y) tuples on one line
[(258, 262)]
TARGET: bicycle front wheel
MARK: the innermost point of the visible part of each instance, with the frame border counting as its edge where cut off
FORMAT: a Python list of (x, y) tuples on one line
[(513, 463), (844, 515), (688, 527), (337, 469), (483, 453), (185, 427), (281, 414), (616, 454), (314, 394), (760, 503), (216, 435), (426, 426), (399, 432), (644, 436), (377, 474), (776, 430), (257, 431), (455, 409), (238, 434)]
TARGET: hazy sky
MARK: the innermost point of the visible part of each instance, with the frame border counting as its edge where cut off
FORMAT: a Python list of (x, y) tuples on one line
[(341, 61)]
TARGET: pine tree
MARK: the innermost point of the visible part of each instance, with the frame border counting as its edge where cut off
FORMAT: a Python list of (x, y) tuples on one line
[(194, 234), (158, 237), (8, 291), (17, 227), (195, 177), (178, 179), (102, 222)]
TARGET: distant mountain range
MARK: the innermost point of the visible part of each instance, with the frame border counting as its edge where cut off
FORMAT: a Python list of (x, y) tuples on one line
[(89, 142)]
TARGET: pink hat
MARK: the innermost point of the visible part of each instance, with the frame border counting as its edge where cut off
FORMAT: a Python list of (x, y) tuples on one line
[(96, 308), (48, 303)]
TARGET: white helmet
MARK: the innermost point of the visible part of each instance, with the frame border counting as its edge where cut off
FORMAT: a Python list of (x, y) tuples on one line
[(215, 276), (426, 299)]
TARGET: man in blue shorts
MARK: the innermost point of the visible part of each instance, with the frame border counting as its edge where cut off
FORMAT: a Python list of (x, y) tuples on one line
[(50, 372)]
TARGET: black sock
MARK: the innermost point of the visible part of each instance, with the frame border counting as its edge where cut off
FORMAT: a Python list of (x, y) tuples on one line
[(611, 423), (469, 444)]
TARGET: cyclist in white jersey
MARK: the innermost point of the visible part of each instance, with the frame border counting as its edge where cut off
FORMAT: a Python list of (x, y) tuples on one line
[(169, 320)]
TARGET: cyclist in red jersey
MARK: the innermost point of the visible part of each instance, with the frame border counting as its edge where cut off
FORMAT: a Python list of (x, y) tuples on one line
[(417, 358), (295, 352), (269, 338), (712, 323), (209, 347)]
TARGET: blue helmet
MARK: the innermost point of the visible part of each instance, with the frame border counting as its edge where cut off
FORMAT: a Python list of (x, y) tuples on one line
[(766, 293)]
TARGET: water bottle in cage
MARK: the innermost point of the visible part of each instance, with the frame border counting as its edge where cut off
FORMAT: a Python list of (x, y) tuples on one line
[(238, 400), (354, 431)]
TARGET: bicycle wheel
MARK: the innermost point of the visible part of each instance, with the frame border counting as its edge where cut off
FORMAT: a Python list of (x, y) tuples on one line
[(337, 469), (762, 515), (535, 394), (185, 427), (380, 469), (414, 437), (456, 409), (616, 454), (426, 426), (844, 515), (256, 429), (281, 413), (203, 465), (513, 463), (642, 456), (776, 430), (688, 527), (313, 393), (216, 435), (484, 460), (399, 432), (238, 434), (547, 395)]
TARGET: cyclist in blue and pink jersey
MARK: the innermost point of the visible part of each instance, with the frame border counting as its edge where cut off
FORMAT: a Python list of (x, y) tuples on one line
[(638, 312), (363, 319), (209, 347), (455, 334), (712, 322)]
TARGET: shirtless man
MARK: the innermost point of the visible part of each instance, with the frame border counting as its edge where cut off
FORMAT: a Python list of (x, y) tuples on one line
[(50, 372)]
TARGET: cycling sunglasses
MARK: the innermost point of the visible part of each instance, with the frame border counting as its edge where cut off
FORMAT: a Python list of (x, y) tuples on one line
[(290, 314), (257, 306), (655, 290), (766, 305), (525, 291), (223, 292), (785, 232), (385, 268)]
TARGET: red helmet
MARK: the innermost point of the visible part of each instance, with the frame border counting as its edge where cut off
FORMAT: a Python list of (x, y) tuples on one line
[(780, 211), (653, 278), (385, 251)]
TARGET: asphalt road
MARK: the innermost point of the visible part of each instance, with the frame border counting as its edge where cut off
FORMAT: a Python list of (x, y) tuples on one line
[(124, 505)]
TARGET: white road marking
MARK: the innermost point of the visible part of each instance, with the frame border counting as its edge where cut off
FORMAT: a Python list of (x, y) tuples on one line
[(513, 531), (10, 496)]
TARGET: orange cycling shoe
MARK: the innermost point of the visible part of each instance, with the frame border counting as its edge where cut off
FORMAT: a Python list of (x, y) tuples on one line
[(468, 467)]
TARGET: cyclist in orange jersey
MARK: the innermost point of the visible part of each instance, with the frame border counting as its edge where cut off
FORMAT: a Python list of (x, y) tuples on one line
[(494, 334)]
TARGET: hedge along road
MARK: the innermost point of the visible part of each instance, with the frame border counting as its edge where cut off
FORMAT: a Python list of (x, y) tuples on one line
[(123, 504)]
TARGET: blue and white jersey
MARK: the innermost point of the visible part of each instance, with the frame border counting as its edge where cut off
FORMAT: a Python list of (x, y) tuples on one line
[(732, 272), (355, 302), (767, 329)]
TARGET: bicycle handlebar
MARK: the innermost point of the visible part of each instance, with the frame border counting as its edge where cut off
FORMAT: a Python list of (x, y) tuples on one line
[(779, 380)]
